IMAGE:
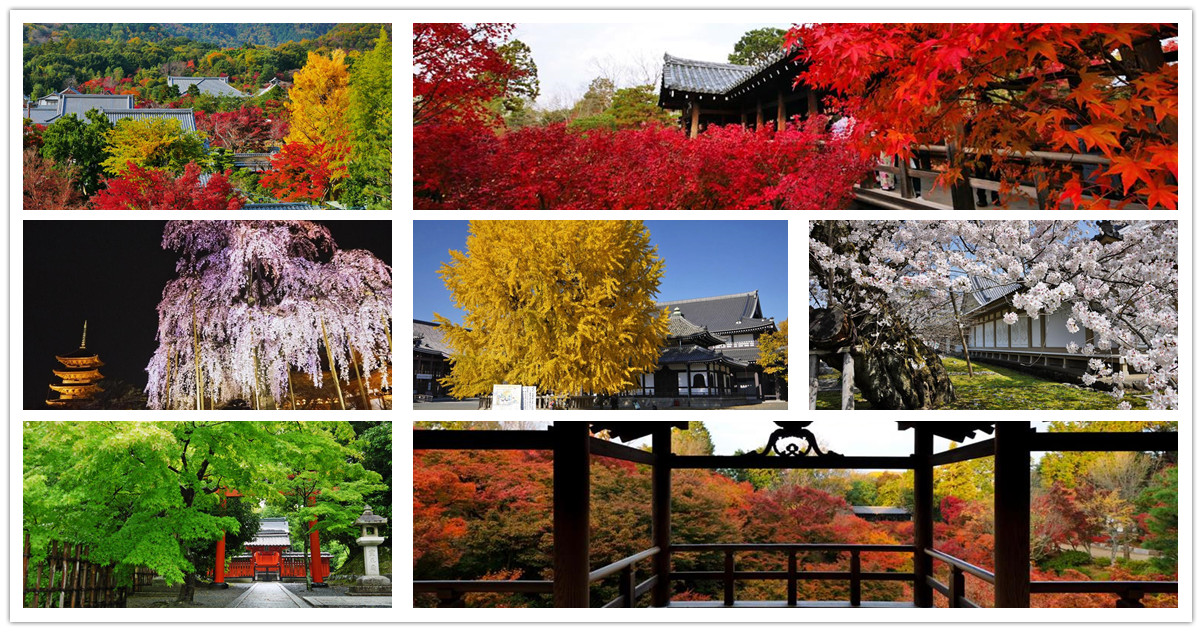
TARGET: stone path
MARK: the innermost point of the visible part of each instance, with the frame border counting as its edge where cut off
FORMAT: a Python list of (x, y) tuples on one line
[(349, 602), (268, 595)]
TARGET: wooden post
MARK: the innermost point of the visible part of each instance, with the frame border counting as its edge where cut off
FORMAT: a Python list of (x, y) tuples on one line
[(780, 110), (962, 197), (759, 114), (956, 588), (812, 102), (855, 577), (196, 356), (694, 119), (688, 382), (219, 566), (627, 586), (728, 579), (813, 382), (924, 500), (570, 514), (849, 376), (359, 376), (905, 188), (661, 514), (333, 368), (1012, 515), (792, 577)]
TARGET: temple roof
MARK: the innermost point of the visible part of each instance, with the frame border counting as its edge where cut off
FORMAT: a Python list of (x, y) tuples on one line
[(428, 339), (272, 532), (216, 86), (723, 315), (957, 431), (985, 292), (694, 354), (704, 77), (681, 329), (746, 355), (187, 120)]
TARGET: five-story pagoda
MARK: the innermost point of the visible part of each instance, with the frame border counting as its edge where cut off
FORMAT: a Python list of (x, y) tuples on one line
[(78, 381)]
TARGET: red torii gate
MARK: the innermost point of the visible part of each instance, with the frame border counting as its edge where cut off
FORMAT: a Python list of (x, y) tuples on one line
[(315, 563)]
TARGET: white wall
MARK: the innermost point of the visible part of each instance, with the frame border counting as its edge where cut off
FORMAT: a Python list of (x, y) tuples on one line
[(1058, 334)]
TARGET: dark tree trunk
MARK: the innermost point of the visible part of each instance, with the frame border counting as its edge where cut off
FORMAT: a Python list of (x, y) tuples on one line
[(187, 590), (894, 369)]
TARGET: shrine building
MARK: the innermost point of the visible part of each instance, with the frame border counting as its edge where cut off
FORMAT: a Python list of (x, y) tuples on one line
[(78, 381), (269, 557)]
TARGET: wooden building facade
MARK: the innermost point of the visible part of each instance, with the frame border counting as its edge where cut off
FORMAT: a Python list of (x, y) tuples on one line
[(724, 94)]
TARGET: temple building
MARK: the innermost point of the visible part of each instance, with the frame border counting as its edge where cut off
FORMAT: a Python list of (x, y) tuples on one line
[(78, 380), (431, 360), (269, 556), (718, 93)]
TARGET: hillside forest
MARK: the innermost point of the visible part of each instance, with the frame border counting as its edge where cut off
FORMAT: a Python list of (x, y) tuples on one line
[(318, 104)]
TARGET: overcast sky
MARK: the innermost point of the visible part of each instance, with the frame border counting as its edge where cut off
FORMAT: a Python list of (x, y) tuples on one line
[(569, 56)]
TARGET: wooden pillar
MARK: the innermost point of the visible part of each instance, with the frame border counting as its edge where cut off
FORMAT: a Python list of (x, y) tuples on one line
[(962, 197), (812, 102), (314, 550), (688, 382), (661, 514), (695, 118), (780, 110), (570, 482), (849, 377), (1012, 515), (219, 566), (924, 512), (759, 114)]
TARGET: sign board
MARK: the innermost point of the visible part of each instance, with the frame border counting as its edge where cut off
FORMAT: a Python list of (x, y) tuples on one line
[(529, 398), (506, 396), (423, 376)]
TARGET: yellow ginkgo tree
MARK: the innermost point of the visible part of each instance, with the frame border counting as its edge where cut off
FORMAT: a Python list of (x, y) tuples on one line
[(567, 306)]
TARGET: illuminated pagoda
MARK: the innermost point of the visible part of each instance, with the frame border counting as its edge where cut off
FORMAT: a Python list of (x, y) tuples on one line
[(79, 380)]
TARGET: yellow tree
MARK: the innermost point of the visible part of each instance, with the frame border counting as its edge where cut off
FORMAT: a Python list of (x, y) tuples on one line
[(319, 100), (1067, 467), (966, 480), (568, 306), (155, 143), (774, 352)]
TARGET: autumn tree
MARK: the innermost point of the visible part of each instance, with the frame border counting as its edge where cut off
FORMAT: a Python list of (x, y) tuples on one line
[(45, 185), (245, 130), (1007, 89), (153, 143), (774, 352), (305, 172), (457, 70), (568, 306), (80, 143), (320, 97), (153, 189), (369, 117), (758, 46)]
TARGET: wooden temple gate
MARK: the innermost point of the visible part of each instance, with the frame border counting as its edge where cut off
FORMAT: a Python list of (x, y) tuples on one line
[(792, 446), (286, 565)]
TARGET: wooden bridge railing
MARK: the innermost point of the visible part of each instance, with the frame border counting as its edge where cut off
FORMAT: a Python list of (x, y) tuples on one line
[(854, 575), (1130, 593), (451, 593), (66, 578)]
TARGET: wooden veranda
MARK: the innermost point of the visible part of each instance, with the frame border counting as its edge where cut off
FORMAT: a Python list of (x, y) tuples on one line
[(792, 446)]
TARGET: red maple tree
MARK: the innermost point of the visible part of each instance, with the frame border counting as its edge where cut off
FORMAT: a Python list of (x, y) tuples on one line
[(146, 189), (1001, 90), (306, 172), (457, 69)]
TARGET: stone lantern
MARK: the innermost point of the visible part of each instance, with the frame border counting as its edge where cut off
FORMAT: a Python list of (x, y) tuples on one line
[(372, 582)]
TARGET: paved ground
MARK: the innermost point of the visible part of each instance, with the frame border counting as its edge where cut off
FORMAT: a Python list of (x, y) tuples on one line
[(268, 595), (472, 404), (349, 602), (161, 596)]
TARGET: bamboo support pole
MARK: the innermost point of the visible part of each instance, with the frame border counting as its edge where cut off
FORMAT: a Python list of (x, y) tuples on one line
[(333, 368), (359, 377)]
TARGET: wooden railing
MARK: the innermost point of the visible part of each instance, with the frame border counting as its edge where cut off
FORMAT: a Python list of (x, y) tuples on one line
[(451, 593), (854, 575), (1130, 593)]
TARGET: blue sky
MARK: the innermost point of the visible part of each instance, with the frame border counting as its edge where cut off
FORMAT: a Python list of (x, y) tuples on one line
[(702, 258)]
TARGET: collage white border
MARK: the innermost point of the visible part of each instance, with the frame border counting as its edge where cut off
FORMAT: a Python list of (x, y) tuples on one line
[(402, 230)]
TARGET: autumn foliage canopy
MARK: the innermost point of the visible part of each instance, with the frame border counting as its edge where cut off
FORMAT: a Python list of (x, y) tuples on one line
[(1004, 89)]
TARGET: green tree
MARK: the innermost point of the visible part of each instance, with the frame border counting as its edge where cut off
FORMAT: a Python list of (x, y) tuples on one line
[(156, 143), (1159, 500), (695, 441), (519, 89), (568, 306), (596, 99), (150, 493), (80, 143), (861, 492), (757, 46), (369, 116), (633, 107)]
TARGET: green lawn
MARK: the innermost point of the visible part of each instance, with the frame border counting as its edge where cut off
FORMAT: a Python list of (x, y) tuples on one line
[(996, 388)]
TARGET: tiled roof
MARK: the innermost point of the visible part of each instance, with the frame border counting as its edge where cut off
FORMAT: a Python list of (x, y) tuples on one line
[(216, 86), (746, 355), (272, 532), (680, 328), (279, 206), (693, 353), (41, 114), (428, 339), (704, 77), (732, 313), (79, 104), (187, 120), (985, 292), (876, 510)]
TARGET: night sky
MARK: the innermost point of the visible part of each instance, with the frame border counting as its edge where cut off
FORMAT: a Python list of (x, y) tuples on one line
[(112, 274)]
